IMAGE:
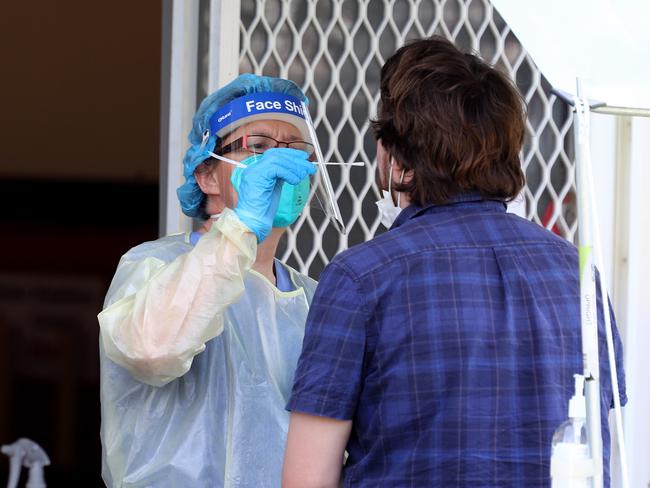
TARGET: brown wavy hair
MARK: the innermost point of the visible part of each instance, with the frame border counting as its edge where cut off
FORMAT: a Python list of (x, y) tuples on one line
[(453, 120)]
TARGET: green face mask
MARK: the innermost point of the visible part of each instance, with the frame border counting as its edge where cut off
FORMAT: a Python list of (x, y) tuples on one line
[(292, 199)]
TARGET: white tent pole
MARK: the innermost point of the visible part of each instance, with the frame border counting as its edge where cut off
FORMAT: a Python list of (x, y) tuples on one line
[(635, 304), (588, 309), (621, 293), (600, 265)]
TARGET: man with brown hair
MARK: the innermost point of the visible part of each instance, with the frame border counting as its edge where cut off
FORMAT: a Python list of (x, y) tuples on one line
[(442, 352)]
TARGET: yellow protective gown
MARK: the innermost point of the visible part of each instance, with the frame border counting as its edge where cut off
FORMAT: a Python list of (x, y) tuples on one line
[(197, 359)]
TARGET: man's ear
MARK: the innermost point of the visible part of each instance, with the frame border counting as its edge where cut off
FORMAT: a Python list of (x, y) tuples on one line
[(207, 179)]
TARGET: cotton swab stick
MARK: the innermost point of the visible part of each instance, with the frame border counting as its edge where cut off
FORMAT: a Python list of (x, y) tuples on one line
[(240, 165), (226, 160), (336, 163)]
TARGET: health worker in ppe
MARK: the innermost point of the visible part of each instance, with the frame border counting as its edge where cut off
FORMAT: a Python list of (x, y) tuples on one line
[(201, 332)]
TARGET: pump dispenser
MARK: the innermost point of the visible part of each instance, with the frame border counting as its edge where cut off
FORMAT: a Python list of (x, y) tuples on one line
[(571, 463), (26, 453)]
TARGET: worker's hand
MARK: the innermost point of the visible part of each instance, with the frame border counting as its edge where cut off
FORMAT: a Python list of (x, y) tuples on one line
[(261, 186)]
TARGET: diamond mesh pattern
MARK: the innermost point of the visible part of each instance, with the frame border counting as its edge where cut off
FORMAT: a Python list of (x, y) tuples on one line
[(334, 50)]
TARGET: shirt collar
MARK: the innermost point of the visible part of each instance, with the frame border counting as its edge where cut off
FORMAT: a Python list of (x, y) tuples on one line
[(413, 211)]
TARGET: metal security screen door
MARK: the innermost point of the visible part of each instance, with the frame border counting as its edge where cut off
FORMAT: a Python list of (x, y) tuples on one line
[(334, 50)]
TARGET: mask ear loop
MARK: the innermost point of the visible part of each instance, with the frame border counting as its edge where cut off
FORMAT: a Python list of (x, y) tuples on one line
[(390, 180), (399, 193)]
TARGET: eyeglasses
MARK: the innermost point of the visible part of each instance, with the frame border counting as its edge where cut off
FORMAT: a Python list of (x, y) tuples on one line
[(257, 144)]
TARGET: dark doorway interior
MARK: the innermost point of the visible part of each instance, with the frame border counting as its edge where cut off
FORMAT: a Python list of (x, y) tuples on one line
[(79, 128)]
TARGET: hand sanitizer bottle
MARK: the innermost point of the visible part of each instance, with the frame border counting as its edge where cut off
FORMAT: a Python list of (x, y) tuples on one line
[(571, 463)]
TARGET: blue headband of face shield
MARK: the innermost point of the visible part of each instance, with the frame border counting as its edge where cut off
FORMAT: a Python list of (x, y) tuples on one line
[(256, 106)]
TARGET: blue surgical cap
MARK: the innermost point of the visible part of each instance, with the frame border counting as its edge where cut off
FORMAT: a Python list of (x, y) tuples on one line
[(189, 193)]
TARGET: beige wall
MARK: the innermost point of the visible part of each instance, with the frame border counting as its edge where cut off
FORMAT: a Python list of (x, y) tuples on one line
[(80, 89)]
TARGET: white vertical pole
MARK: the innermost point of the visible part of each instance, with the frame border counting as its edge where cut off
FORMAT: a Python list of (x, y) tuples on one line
[(620, 258), (588, 309), (622, 219), (637, 333), (178, 103), (223, 43), (602, 142), (180, 46), (620, 437)]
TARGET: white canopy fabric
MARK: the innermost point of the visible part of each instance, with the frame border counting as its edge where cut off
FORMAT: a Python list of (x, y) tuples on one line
[(604, 42)]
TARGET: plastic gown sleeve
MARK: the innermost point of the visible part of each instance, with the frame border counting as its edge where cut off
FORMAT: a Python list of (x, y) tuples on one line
[(159, 316)]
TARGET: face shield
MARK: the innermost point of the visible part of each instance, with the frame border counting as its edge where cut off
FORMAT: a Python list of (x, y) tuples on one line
[(285, 108)]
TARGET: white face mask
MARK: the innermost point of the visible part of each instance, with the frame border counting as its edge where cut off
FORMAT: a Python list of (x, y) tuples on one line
[(388, 211)]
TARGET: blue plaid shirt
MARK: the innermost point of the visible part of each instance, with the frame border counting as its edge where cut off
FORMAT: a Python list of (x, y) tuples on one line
[(451, 342)]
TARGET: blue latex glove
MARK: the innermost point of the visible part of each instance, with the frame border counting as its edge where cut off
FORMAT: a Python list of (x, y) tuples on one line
[(261, 186)]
